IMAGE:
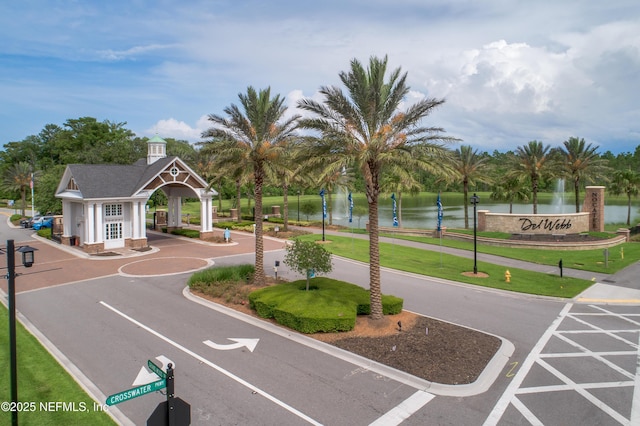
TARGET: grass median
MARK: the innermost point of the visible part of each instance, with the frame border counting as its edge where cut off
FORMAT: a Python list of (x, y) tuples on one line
[(48, 395), (455, 268), (619, 257)]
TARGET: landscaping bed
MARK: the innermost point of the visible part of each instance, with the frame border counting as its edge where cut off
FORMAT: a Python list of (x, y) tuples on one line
[(433, 350)]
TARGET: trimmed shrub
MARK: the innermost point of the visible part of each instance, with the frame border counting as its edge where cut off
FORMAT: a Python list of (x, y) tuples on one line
[(328, 306), (190, 233)]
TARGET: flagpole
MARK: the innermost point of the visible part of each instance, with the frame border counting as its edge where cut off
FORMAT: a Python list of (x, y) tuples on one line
[(440, 215), (33, 213)]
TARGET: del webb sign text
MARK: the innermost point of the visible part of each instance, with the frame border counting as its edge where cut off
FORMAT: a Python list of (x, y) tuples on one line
[(573, 223)]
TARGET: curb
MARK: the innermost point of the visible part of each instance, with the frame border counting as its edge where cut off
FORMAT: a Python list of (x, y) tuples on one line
[(482, 384)]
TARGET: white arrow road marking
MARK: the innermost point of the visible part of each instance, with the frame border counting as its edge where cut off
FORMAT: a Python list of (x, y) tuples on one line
[(249, 343), (145, 376), (214, 366)]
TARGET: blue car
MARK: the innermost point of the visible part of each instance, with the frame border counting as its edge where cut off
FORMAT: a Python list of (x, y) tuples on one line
[(43, 222)]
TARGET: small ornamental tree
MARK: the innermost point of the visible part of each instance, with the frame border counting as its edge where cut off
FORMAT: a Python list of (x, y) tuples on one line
[(308, 208), (306, 257)]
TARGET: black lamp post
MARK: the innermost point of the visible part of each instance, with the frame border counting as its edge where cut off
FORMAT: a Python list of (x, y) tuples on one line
[(27, 262), (298, 207), (474, 201)]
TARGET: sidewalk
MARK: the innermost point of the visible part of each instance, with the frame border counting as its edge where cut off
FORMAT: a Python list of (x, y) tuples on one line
[(622, 287)]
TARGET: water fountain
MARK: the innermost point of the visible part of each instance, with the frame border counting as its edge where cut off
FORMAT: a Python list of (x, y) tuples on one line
[(558, 196)]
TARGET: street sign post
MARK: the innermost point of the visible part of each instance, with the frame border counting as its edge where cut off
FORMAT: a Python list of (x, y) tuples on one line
[(128, 394), (172, 412)]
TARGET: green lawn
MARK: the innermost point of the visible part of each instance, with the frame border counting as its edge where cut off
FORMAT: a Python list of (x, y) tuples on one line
[(50, 394), (587, 260), (436, 264)]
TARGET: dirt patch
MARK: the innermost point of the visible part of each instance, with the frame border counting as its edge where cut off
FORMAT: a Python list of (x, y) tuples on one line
[(433, 350), (478, 275)]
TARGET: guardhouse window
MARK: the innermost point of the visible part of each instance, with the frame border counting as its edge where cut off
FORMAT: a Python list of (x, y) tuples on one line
[(111, 210)]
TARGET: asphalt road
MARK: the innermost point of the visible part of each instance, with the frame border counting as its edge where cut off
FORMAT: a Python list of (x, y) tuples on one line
[(106, 329)]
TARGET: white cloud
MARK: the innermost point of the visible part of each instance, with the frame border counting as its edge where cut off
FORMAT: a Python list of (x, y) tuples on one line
[(172, 128)]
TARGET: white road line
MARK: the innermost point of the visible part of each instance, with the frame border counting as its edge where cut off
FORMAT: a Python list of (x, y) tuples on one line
[(504, 401), (635, 405), (404, 410), (581, 390), (214, 366), (531, 418), (602, 359)]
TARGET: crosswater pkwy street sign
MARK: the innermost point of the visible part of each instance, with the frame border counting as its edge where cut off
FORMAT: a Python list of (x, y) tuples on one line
[(128, 394)]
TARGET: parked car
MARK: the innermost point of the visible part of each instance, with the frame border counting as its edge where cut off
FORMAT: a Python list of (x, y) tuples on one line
[(43, 222), (28, 222)]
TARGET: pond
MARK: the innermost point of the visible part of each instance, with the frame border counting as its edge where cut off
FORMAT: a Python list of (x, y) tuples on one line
[(422, 212)]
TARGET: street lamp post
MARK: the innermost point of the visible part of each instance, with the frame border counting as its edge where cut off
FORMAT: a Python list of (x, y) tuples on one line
[(27, 261), (298, 207), (474, 201)]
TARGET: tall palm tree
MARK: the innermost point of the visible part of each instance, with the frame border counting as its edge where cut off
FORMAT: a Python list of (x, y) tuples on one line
[(472, 169), (535, 161), (582, 162), (626, 182), (508, 186), (366, 129), (257, 131), (283, 172), (18, 179)]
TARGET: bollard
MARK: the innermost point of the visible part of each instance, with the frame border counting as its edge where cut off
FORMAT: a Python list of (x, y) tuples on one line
[(560, 266)]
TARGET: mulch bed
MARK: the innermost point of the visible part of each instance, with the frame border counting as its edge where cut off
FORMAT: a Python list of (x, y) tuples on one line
[(434, 350)]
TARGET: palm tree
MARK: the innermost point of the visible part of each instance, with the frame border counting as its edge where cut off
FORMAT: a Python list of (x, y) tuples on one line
[(366, 129), (534, 161), (509, 190), (257, 132), (472, 169), (283, 172), (581, 161), (18, 178), (626, 182)]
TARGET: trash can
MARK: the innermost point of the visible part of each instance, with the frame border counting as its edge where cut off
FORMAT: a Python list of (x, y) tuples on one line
[(72, 241)]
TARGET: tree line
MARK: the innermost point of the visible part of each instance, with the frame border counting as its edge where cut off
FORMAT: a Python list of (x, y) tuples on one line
[(357, 137)]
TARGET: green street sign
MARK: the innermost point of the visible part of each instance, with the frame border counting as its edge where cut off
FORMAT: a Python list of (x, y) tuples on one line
[(156, 370), (128, 394)]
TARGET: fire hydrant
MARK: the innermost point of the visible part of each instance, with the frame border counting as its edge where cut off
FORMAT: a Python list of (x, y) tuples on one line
[(507, 276)]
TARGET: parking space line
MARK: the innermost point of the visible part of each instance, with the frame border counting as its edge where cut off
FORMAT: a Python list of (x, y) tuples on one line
[(404, 410), (635, 404), (509, 394), (212, 365)]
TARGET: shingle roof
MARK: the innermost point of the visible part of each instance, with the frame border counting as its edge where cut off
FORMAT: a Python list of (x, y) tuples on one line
[(114, 180)]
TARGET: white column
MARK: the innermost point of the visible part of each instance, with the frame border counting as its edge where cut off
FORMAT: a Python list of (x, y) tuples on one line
[(205, 214), (89, 223), (135, 219), (67, 218), (143, 219), (99, 223)]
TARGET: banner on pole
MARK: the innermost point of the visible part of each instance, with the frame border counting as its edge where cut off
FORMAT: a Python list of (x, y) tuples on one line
[(350, 198), (440, 212), (324, 204), (395, 217)]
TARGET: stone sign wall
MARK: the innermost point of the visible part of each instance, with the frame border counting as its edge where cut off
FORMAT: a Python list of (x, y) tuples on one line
[(594, 204), (540, 224)]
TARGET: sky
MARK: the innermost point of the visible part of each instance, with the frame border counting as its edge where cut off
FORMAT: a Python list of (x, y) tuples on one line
[(510, 71)]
